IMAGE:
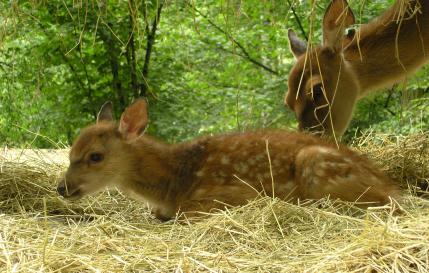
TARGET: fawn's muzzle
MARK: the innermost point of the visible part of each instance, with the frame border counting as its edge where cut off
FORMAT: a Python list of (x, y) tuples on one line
[(67, 191)]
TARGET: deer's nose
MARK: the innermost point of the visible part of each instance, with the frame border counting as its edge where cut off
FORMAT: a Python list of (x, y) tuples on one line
[(61, 189)]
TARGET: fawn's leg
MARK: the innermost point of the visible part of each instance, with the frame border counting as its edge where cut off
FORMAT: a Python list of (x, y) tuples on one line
[(323, 171)]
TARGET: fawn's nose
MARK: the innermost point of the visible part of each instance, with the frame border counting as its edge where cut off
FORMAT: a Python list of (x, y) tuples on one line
[(61, 189)]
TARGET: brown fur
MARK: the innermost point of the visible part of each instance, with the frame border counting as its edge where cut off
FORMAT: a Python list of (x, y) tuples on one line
[(381, 53), (208, 172)]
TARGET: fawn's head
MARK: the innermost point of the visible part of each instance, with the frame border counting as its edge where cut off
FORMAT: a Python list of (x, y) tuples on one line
[(322, 90), (99, 156)]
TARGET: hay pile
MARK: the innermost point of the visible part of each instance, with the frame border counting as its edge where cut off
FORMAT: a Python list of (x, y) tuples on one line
[(39, 232), (406, 159)]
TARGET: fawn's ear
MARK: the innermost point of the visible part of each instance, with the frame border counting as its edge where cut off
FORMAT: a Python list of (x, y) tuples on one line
[(134, 120), (338, 17), (106, 112), (297, 46)]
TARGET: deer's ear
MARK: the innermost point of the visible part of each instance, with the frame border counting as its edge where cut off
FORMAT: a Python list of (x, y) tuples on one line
[(106, 112), (134, 120), (338, 17), (297, 46)]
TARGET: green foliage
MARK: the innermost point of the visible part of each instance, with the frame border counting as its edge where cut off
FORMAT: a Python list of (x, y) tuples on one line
[(215, 66), (400, 112)]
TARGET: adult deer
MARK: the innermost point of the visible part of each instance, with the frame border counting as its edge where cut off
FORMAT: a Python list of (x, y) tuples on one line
[(210, 172), (327, 81)]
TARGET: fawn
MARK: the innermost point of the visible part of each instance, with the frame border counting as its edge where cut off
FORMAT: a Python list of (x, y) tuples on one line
[(327, 81), (212, 171)]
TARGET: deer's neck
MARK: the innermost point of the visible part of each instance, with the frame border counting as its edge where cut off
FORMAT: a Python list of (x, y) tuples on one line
[(160, 173), (391, 47)]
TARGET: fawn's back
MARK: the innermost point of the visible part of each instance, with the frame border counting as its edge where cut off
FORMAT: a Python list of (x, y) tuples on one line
[(238, 167)]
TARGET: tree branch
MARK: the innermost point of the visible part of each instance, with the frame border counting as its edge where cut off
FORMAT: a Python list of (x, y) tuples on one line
[(79, 82), (245, 54), (130, 49), (112, 52), (150, 34), (5, 64), (298, 21), (221, 48), (387, 101)]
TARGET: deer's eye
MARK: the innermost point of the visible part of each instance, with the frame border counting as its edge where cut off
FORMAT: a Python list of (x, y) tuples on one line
[(96, 157), (317, 92)]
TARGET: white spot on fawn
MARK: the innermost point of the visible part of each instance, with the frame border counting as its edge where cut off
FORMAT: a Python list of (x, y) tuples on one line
[(199, 192), (288, 186), (241, 168), (260, 156), (221, 174), (276, 163), (326, 150), (307, 173), (320, 172), (251, 161), (225, 160), (244, 167), (220, 180)]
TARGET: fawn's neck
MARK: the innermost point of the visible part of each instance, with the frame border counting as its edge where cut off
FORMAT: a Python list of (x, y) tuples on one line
[(161, 173), (391, 47)]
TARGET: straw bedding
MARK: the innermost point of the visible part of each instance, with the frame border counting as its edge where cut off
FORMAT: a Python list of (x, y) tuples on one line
[(39, 232)]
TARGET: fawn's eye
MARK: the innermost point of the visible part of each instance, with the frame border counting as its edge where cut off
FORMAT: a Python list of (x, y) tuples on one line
[(95, 157)]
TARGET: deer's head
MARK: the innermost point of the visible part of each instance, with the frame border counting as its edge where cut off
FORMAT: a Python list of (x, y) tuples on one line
[(100, 156), (322, 89)]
